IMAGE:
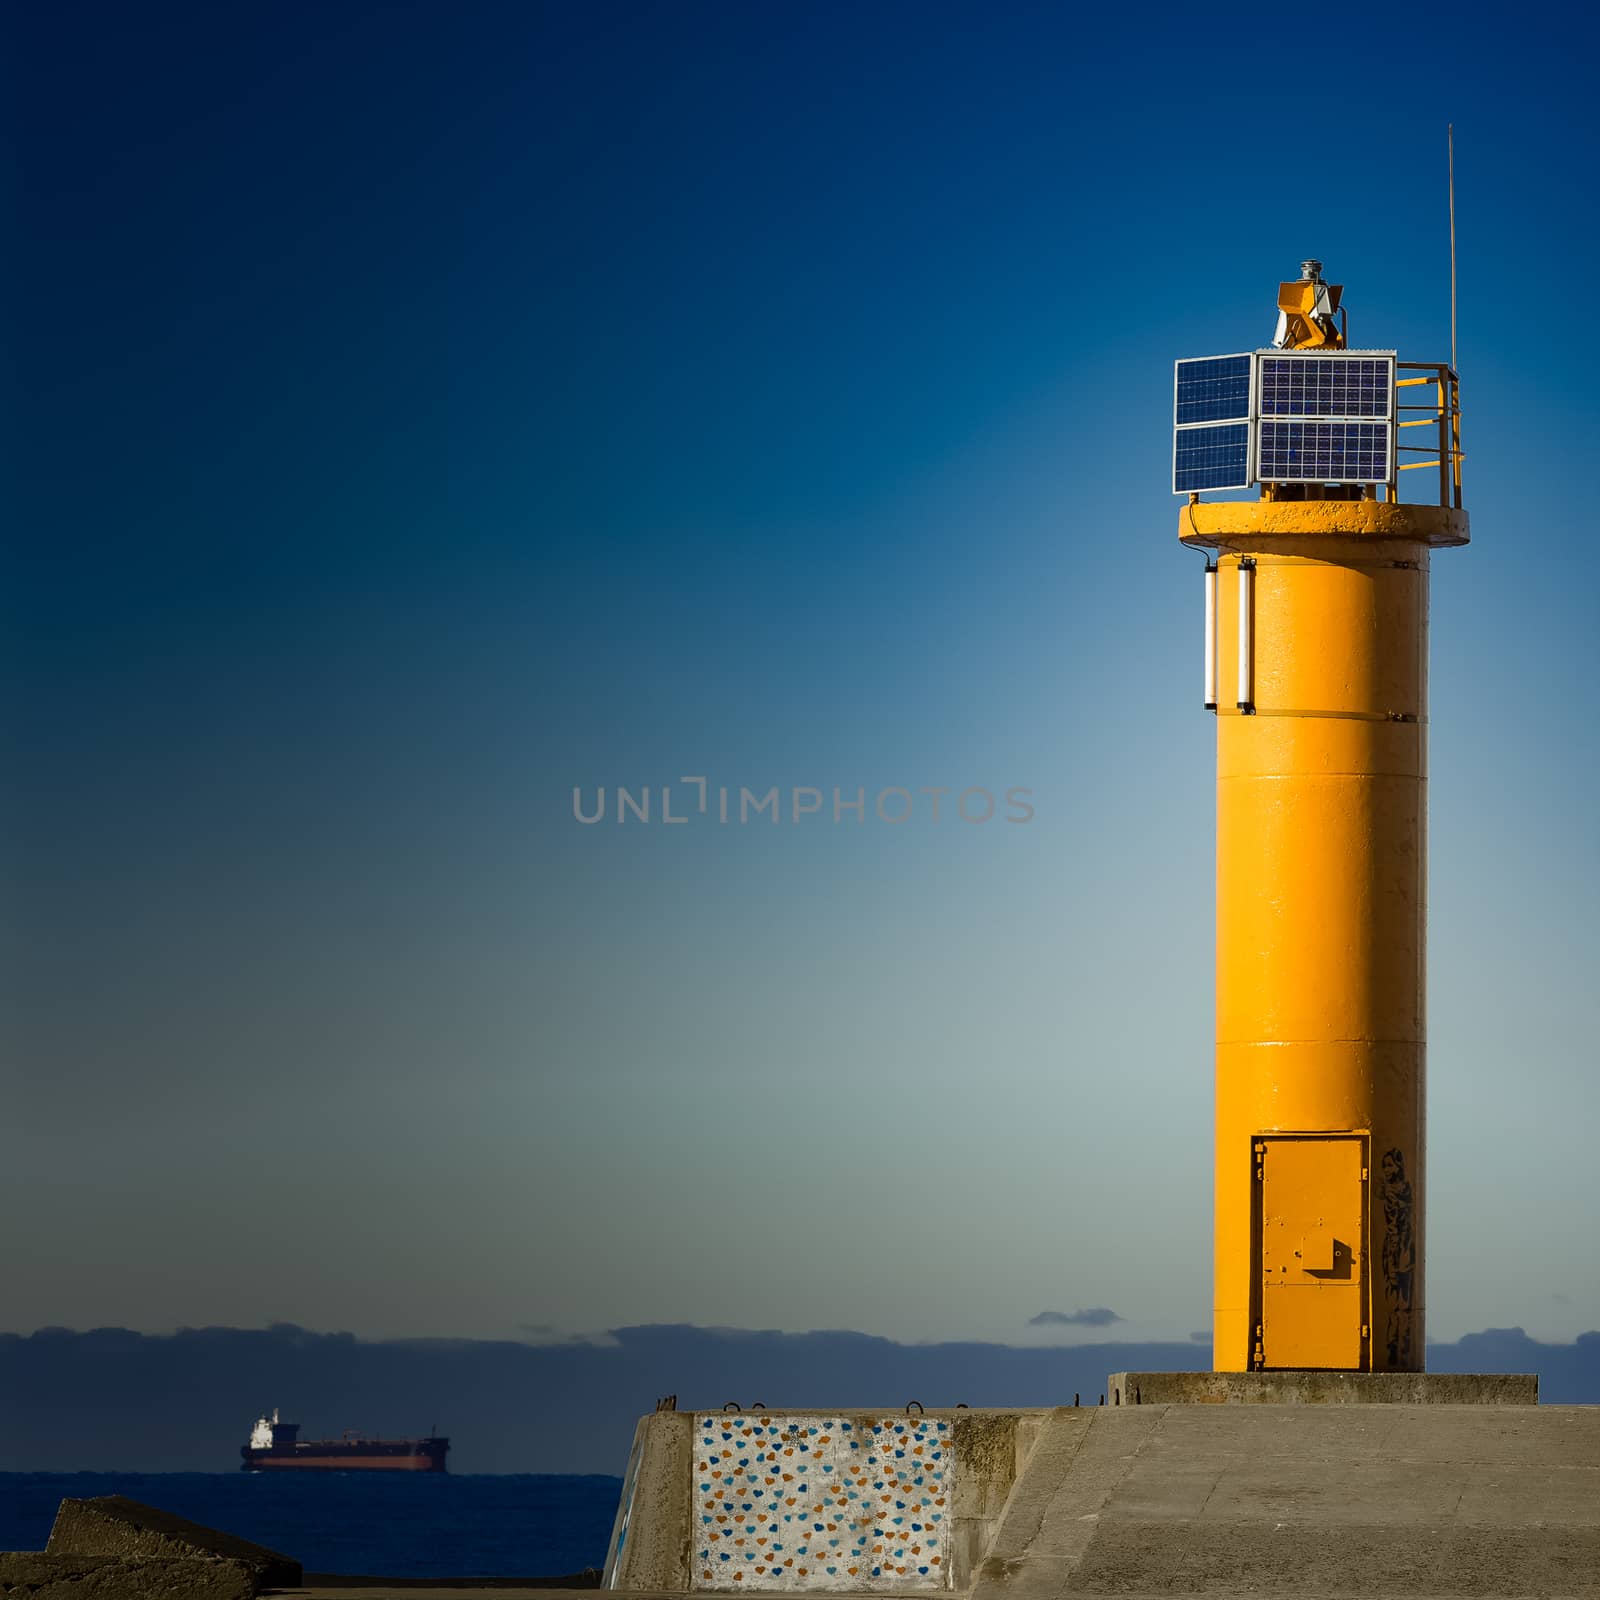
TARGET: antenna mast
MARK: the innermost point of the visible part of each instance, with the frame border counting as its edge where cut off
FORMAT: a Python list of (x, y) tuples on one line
[(1450, 135)]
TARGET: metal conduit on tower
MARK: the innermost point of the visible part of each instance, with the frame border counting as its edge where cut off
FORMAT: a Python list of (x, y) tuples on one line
[(1317, 670)]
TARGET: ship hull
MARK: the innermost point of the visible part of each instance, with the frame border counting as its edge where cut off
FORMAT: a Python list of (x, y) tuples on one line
[(355, 1456)]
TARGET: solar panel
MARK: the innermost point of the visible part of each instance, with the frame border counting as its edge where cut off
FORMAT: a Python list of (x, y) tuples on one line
[(1212, 389), (1283, 416), (1322, 452), (1326, 386), (1215, 457)]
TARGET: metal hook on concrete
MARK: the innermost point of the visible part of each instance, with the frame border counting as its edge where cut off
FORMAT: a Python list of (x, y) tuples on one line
[(961, 1405), (918, 1404), (733, 1405)]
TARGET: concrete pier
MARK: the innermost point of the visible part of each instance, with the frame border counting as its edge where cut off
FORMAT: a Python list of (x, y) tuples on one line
[(1340, 1498)]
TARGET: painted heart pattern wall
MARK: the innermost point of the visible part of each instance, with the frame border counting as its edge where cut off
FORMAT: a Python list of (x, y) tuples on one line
[(820, 1502)]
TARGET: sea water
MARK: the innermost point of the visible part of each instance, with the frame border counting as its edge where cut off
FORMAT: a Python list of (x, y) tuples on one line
[(392, 1524)]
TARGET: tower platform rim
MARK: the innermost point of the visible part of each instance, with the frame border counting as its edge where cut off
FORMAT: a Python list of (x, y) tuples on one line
[(1226, 523)]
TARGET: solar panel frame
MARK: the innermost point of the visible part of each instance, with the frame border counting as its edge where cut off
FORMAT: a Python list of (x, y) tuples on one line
[(1309, 410), (1246, 404), (1194, 433), (1356, 450), (1243, 420), (1323, 369)]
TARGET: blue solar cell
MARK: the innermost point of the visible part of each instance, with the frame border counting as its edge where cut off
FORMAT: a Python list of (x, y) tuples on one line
[(1213, 389), (1325, 386), (1211, 458), (1323, 452)]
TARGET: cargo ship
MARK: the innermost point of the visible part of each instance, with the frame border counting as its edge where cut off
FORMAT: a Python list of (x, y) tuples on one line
[(277, 1446)]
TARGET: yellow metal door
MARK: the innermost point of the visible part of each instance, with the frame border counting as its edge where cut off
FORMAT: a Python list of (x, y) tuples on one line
[(1313, 1264)]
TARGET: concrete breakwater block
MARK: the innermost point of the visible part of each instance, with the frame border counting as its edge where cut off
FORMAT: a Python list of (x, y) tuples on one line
[(841, 1501), (41, 1575), (113, 1525)]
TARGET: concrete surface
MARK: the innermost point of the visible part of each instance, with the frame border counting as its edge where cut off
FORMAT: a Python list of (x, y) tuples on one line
[(41, 1575), (1323, 1388), (113, 1525), (1332, 1501)]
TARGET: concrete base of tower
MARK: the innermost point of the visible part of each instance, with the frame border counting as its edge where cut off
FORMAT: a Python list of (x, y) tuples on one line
[(1463, 1500), (1323, 1388)]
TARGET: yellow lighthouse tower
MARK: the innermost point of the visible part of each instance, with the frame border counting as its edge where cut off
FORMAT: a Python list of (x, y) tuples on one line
[(1316, 667)]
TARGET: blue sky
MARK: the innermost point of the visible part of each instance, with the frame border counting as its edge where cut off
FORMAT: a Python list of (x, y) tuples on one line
[(418, 411)]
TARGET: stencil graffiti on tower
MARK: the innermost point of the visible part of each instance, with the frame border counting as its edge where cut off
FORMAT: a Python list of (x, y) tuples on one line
[(1399, 1257)]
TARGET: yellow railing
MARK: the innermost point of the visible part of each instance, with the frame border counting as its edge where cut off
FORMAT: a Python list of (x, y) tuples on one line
[(1442, 413)]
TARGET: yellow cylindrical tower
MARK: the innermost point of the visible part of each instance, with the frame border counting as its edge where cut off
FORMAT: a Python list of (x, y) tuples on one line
[(1321, 651)]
